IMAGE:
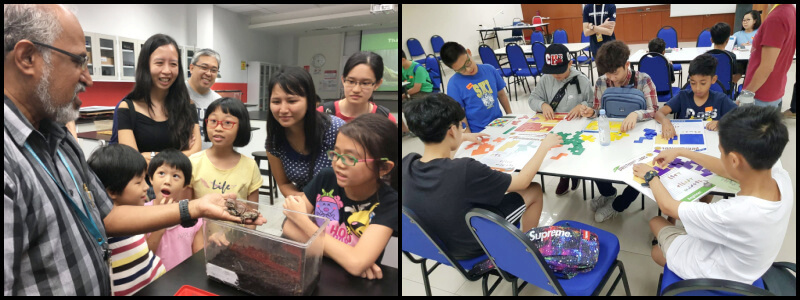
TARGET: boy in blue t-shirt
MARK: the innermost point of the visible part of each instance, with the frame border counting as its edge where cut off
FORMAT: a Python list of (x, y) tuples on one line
[(476, 87), (693, 104)]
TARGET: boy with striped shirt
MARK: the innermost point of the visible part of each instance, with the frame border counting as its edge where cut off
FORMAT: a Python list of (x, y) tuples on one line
[(122, 170)]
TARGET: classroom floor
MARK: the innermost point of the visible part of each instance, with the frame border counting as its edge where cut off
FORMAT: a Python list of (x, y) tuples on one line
[(631, 226)]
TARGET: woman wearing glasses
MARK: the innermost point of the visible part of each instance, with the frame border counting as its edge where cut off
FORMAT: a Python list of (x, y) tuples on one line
[(298, 136), (362, 209), (362, 75), (158, 113)]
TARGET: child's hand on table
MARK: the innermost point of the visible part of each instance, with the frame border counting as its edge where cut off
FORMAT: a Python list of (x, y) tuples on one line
[(712, 125), (474, 137), (551, 141), (587, 112), (547, 111), (666, 156), (667, 130), (629, 122), (575, 112), (640, 169)]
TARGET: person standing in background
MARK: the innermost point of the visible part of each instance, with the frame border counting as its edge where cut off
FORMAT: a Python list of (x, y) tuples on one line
[(598, 24)]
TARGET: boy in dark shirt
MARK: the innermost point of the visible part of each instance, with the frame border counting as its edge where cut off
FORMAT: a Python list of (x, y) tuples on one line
[(441, 190), (692, 104), (720, 33)]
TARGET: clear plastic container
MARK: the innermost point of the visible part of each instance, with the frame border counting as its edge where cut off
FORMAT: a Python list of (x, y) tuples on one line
[(746, 98), (263, 261), (604, 128)]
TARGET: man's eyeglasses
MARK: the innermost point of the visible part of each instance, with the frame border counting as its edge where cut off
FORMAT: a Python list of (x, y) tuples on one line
[(466, 65), (207, 69), (348, 159), (82, 61), (212, 123), (366, 85)]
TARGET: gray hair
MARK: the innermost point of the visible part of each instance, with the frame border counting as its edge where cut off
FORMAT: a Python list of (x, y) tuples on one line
[(32, 22), (206, 52)]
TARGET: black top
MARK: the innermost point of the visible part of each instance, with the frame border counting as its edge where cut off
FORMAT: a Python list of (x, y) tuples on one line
[(442, 191), (150, 135), (349, 219)]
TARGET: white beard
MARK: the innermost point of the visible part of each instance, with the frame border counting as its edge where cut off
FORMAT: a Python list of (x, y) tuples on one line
[(59, 114)]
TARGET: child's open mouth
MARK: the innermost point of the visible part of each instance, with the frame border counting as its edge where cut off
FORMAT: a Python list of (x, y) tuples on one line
[(165, 192)]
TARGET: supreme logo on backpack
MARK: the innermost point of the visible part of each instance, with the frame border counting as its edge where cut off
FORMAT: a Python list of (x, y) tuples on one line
[(568, 251)]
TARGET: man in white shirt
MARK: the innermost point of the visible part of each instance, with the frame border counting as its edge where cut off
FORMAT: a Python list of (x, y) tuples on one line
[(204, 70), (737, 238)]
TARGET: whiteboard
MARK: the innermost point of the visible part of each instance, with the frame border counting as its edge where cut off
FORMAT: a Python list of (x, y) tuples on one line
[(679, 10)]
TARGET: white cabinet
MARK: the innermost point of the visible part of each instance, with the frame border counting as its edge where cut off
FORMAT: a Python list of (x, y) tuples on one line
[(129, 54), (104, 63), (188, 53)]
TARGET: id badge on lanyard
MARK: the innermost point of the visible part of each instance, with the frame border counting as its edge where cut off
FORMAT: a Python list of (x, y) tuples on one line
[(602, 13)]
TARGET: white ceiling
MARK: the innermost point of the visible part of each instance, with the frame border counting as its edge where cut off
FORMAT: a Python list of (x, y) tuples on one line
[(311, 19)]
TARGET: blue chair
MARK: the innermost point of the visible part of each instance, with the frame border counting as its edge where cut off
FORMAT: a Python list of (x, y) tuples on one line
[(519, 65), (704, 39), (538, 50), (537, 36), (516, 35), (585, 59), (419, 241), (671, 285), (725, 65), (415, 49), (436, 45), (657, 66), (560, 36), (487, 57), (670, 37), (435, 73), (516, 257)]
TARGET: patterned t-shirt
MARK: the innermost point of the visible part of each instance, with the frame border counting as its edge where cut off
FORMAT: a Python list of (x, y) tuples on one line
[(296, 165), (349, 219)]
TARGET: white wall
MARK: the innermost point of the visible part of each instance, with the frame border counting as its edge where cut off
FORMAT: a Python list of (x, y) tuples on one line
[(454, 23), (236, 43), (331, 46), (134, 20), (201, 25)]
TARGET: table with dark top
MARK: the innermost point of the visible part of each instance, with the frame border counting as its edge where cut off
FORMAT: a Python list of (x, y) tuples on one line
[(334, 280)]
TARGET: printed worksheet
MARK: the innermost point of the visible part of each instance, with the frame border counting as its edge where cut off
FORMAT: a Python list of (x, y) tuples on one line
[(689, 134)]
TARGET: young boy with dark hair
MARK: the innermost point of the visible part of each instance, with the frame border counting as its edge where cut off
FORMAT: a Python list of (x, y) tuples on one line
[(122, 171), (478, 88), (170, 173), (417, 77), (658, 45), (720, 33), (736, 238), (693, 103), (612, 62), (441, 190)]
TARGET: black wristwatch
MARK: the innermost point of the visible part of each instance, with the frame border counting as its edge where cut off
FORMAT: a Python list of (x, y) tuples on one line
[(186, 218), (649, 176)]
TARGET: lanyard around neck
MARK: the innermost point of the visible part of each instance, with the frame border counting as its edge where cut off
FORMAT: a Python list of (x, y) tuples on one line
[(602, 13), (87, 220)]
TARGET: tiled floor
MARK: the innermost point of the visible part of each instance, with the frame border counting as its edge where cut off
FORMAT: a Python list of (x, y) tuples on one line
[(630, 226)]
